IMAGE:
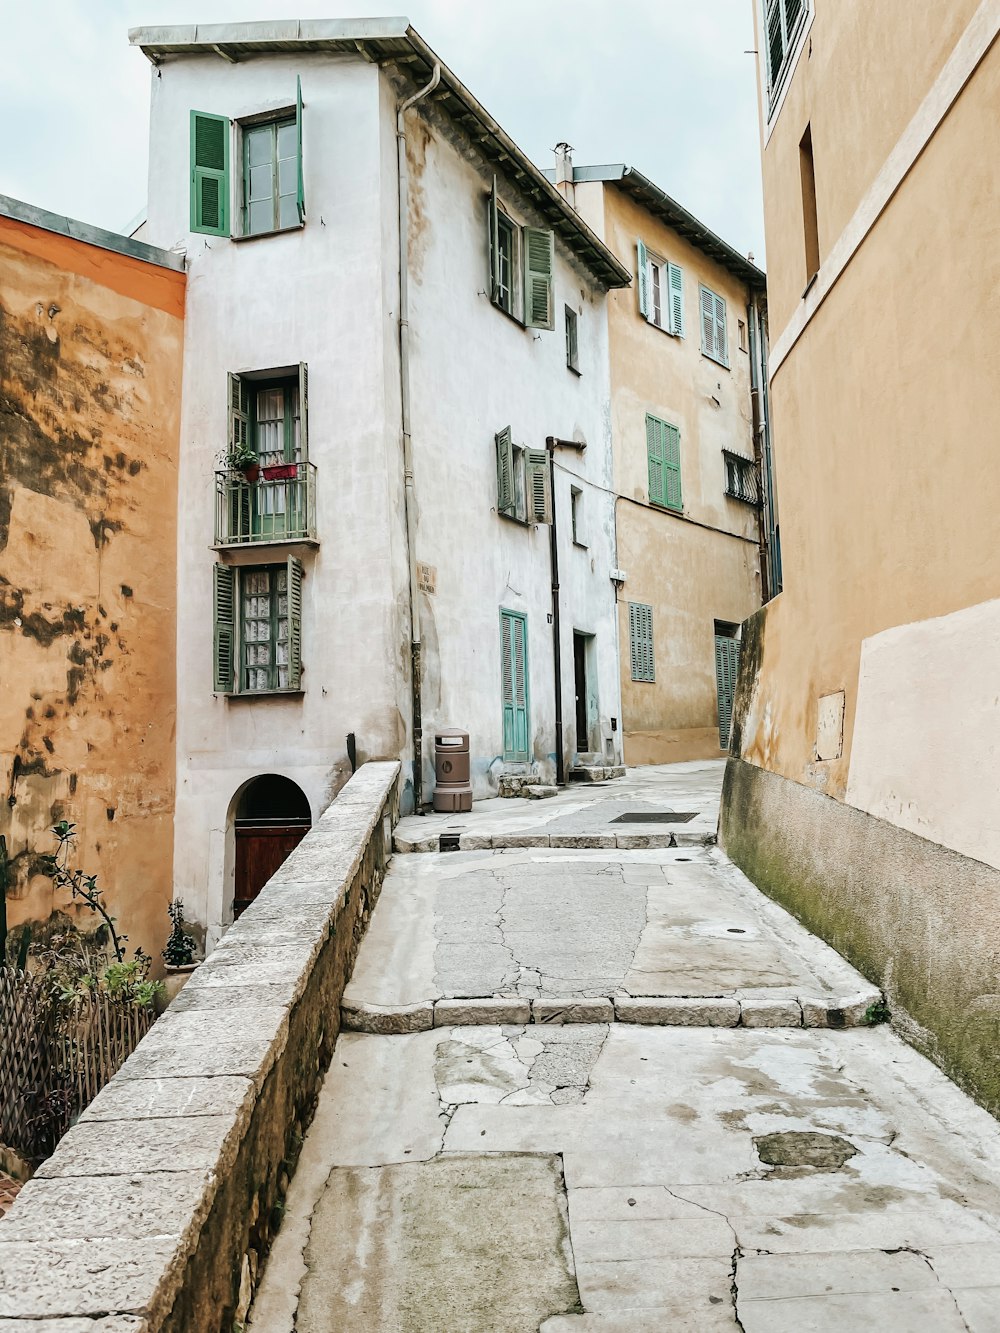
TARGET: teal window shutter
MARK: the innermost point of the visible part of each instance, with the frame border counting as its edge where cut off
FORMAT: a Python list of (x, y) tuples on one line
[(300, 194), (676, 300), (707, 322), (643, 274), (714, 335), (506, 495), (663, 453), (654, 459), (539, 274), (640, 628), (239, 415), (514, 685), (303, 411), (538, 484), (294, 623), (721, 334), (209, 173), (727, 661), (224, 638), (494, 233)]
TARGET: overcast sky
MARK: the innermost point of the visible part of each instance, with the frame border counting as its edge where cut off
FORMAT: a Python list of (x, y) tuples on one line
[(663, 85)]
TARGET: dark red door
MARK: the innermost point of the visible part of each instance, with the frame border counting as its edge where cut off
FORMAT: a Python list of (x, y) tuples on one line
[(260, 850)]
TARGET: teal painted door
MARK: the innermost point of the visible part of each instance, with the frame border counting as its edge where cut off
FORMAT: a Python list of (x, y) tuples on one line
[(727, 660), (514, 684)]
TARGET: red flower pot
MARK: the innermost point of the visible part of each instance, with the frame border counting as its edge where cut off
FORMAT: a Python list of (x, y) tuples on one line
[(251, 472), (281, 472)]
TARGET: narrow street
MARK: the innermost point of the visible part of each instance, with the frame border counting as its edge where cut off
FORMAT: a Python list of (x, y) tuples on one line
[(630, 1159)]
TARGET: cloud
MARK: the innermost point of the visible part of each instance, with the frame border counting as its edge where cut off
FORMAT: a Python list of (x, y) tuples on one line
[(663, 85)]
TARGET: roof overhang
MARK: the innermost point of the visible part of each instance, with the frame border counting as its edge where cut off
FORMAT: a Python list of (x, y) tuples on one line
[(393, 41), (668, 210)]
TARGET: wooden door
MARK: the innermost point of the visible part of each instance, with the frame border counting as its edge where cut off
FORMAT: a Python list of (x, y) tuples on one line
[(260, 850)]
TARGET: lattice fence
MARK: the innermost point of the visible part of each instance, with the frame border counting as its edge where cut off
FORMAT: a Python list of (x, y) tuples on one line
[(54, 1059)]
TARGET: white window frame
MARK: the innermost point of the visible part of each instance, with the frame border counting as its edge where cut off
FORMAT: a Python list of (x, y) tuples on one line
[(658, 287)]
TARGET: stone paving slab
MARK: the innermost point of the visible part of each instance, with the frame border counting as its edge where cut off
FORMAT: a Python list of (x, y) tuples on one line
[(585, 936), (584, 815), (882, 1211)]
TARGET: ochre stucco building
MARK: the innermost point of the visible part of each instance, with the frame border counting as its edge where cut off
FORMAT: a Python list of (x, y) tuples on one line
[(91, 331), (864, 794)]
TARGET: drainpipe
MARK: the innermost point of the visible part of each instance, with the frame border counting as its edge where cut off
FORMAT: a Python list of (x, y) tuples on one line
[(404, 398), (758, 449)]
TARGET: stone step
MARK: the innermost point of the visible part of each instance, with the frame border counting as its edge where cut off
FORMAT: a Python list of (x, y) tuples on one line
[(596, 772), (485, 842), (810, 1011)]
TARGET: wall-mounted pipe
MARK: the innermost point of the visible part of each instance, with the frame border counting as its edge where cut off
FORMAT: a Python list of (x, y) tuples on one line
[(409, 494)]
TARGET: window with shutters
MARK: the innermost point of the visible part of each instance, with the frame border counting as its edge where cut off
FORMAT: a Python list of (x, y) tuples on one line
[(258, 628), (524, 486), (714, 333), (514, 685), (210, 137), (522, 268), (727, 661), (661, 291), (663, 455), (640, 633), (784, 23)]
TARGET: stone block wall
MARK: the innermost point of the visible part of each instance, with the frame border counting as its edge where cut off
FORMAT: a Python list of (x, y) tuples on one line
[(156, 1210)]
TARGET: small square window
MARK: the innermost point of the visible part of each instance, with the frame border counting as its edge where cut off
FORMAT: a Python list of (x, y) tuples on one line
[(744, 346), (572, 340)]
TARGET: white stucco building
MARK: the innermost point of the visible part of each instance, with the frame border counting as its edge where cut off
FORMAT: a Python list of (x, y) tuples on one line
[(397, 387)]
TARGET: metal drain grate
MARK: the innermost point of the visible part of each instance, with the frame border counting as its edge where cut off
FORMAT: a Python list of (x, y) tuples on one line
[(656, 817), (448, 842)]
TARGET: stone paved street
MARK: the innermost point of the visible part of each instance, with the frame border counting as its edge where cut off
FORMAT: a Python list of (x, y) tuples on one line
[(707, 1157)]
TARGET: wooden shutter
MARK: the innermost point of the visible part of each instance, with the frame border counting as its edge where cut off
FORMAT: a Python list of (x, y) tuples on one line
[(539, 270), (506, 494), (538, 485), (671, 438), (707, 322), (224, 616), (209, 173), (727, 659), (300, 193), (514, 684), (721, 335), (239, 413), (494, 234), (294, 623), (303, 412), (654, 457), (643, 267), (640, 628), (676, 300)]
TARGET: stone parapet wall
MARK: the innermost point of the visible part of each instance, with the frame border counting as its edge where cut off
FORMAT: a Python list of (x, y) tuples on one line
[(156, 1210)]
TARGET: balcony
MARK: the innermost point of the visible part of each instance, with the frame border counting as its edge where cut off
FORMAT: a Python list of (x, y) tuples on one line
[(277, 507), (742, 480)]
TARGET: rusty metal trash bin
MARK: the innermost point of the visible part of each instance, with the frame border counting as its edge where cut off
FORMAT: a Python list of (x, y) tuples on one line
[(452, 785)]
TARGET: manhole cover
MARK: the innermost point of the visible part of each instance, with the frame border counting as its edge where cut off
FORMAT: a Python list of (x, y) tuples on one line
[(656, 817)]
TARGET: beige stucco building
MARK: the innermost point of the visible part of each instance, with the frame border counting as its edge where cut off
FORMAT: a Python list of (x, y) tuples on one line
[(694, 524), (864, 794), (91, 331)]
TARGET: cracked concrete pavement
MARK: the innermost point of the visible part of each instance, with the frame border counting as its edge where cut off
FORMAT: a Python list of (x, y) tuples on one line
[(598, 1177)]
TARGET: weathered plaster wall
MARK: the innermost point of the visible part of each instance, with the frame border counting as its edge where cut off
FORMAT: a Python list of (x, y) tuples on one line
[(90, 374), (695, 572), (917, 919)]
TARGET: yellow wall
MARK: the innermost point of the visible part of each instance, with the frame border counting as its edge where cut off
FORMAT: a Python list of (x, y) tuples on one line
[(90, 378), (884, 410), (703, 566)]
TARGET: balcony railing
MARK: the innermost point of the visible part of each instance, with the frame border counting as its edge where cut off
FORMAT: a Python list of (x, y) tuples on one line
[(742, 481), (279, 505)]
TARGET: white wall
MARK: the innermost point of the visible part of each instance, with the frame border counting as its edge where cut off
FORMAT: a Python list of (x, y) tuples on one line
[(926, 747), (475, 370)]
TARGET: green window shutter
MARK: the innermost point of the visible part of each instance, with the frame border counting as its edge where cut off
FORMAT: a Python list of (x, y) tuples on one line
[(514, 684), (676, 300), (671, 438), (640, 628), (300, 192), (494, 233), (539, 271), (654, 457), (727, 661), (209, 174), (303, 411), (294, 623), (643, 267), (506, 495), (538, 485), (707, 322), (224, 615), (239, 414), (721, 336)]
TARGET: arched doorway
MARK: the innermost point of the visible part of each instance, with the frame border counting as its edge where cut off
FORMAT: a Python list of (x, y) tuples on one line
[(272, 818)]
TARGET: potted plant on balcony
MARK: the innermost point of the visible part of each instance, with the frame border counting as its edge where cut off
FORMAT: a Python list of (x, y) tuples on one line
[(241, 458), (178, 955)]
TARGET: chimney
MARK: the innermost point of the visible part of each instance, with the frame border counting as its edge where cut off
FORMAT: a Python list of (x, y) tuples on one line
[(564, 173)]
